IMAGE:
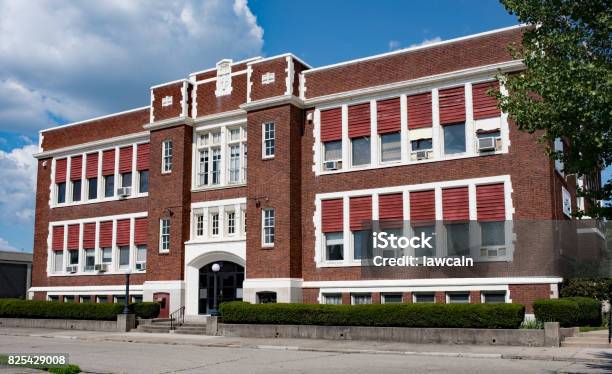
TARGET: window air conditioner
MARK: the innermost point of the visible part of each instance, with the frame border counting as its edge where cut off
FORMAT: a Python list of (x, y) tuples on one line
[(333, 165), (72, 269), (421, 155), (486, 144), (124, 192), (101, 267), (493, 251), (141, 266)]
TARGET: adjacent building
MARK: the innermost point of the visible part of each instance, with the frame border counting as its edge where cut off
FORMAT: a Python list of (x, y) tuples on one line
[(271, 168), (15, 274)]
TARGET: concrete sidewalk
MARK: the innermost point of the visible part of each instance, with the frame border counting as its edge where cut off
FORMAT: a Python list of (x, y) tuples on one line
[(569, 354)]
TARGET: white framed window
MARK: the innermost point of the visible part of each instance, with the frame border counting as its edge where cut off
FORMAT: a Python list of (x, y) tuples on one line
[(231, 223), (58, 261), (458, 298), (423, 297), (361, 298), (90, 259), (221, 148), (124, 257), (332, 298), (332, 155), (214, 224), (493, 297), (164, 235), (268, 222), (334, 246), (107, 255), (269, 139), (360, 151), (390, 147), (454, 138), (141, 253), (199, 224), (391, 298), (166, 156)]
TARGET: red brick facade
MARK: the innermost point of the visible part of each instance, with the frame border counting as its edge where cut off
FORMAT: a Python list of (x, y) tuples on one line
[(291, 181)]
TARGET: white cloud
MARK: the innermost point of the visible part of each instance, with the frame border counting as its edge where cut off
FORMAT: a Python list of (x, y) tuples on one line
[(73, 60), (17, 185), (426, 42), (394, 44), (6, 246)]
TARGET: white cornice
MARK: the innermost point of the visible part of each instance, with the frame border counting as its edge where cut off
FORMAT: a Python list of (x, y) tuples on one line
[(237, 114), (273, 101), (508, 66), (93, 119), (118, 140), (432, 282), (170, 122), (281, 56)]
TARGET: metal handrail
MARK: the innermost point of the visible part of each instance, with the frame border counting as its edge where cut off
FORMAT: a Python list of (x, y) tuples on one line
[(178, 316)]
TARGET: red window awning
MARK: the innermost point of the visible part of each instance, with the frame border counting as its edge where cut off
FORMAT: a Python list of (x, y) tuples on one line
[(108, 162), (331, 125), (455, 204), (89, 235), (125, 159), (452, 105), (360, 210), (419, 111), (76, 168), (57, 238), (140, 231), (332, 215), (61, 169), (106, 234), (123, 232), (91, 169), (422, 207), (490, 202), (388, 116), (485, 106), (359, 120), (142, 156)]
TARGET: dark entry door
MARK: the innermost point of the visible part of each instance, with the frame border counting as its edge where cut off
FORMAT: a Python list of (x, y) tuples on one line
[(229, 285), (163, 298)]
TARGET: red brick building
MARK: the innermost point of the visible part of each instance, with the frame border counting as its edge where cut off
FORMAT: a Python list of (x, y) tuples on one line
[(166, 190)]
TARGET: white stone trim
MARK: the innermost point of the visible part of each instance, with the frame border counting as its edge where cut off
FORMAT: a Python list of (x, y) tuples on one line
[(118, 141), (432, 282), (92, 119)]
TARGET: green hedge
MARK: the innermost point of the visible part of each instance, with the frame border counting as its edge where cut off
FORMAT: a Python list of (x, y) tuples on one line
[(569, 312), (597, 288), (492, 316), (16, 308)]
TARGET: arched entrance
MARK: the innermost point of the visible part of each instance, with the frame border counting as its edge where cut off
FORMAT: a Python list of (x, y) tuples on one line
[(229, 284)]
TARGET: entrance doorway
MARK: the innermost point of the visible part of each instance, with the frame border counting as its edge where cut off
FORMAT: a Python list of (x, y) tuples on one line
[(229, 285), (163, 298)]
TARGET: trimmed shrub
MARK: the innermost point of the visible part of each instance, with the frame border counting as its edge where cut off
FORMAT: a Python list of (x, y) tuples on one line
[(590, 311), (564, 311), (146, 310), (491, 316), (597, 288), (16, 308)]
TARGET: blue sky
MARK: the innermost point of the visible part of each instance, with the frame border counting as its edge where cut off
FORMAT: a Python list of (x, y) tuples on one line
[(66, 61)]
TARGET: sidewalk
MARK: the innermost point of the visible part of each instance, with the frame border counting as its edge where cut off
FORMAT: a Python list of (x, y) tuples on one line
[(569, 354)]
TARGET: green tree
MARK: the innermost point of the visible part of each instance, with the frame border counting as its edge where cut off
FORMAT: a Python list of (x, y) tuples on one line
[(565, 91)]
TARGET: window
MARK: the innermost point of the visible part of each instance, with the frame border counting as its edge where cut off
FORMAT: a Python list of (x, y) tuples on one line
[(459, 298), (61, 193), (332, 298), (74, 257), (231, 223), (494, 297), (86, 299), (424, 297), (428, 232), (199, 218), (268, 227), (109, 186), (119, 299), (76, 190), (214, 224), (454, 138), (360, 299), (102, 299), (390, 147), (143, 181), (216, 166), (164, 233), (266, 297), (421, 144), (137, 299), (333, 150), (58, 261), (90, 259), (558, 147), (213, 148), (141, 253), (392, 298), (458, 239), (92, 188), (107, 255), (69, 299), (360, 151), (124, 257), (334, 246), (362, 244), (493, 233), (167, 156), (126, 180), (391, 252), (234, 170), (53, 298), (268, 140)]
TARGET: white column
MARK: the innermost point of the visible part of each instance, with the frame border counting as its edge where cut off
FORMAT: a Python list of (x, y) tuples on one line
[(405, 146), (132, 246), (436, 130), (504, 129), (346, 143), (224, 156), (346, 234), (84, 194), (470, 134), (100, 178), (117, 179), (440, 248), (135, 176), (68, 181), (374, 143), (222, 222)]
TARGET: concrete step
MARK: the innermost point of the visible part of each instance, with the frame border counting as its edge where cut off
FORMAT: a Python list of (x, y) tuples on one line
[(152, 329), (192, 331), (194, 324), (605, 344), (587, 339)]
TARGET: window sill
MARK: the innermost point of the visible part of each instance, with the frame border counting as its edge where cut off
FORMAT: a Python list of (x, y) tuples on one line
[(267, 157), (217, 187), (103, 200), (94, 273)]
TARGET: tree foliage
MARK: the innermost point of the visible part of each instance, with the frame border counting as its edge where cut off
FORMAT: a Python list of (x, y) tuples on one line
[(565, 91)]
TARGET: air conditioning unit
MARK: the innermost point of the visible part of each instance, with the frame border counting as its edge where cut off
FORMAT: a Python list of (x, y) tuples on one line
[(141, 266), (333, 165), (493, 251), (72, 269), (421, 155), (486, 144), (101, 267), (124, 192)]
